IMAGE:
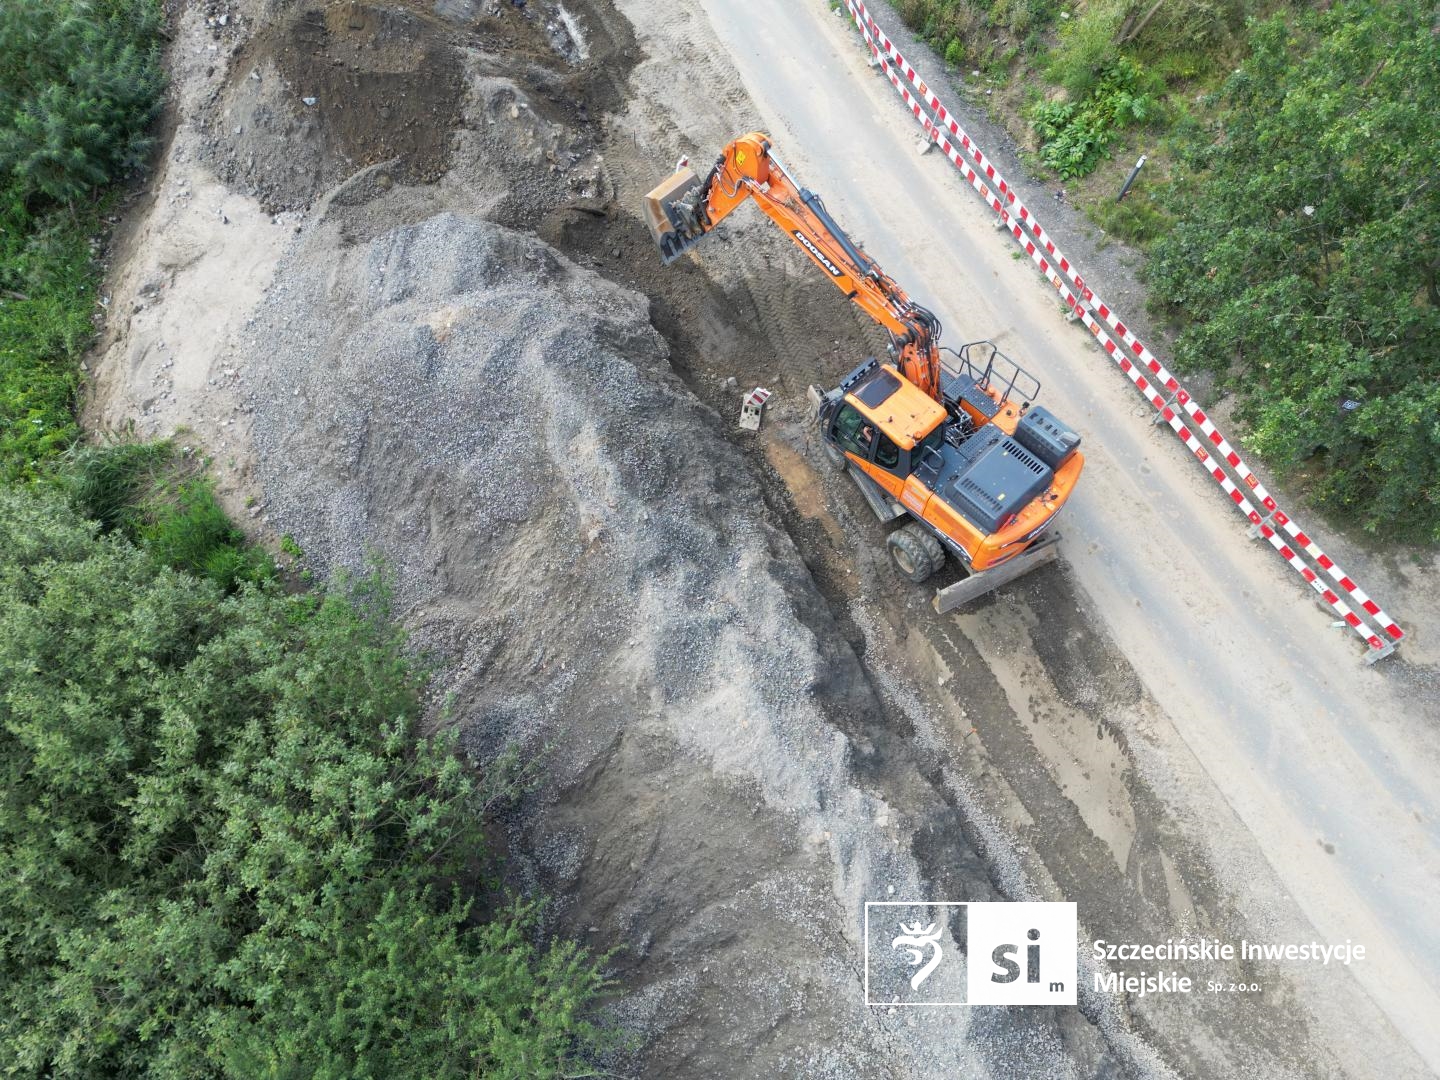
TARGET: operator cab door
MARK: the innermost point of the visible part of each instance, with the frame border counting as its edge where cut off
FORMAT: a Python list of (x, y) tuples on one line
[(866, 444)]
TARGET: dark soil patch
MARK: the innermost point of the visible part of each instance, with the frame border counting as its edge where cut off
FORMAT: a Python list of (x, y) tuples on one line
[(385, 81), (326, 89)]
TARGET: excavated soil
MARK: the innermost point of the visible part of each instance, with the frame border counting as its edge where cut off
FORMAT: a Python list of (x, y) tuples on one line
[(571, 531), (322, 89)]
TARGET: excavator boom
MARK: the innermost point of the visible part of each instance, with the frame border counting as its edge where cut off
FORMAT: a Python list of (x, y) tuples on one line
[(685, 208)]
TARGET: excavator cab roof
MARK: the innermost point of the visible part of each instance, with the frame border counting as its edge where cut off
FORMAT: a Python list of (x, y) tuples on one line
[(899, 408)]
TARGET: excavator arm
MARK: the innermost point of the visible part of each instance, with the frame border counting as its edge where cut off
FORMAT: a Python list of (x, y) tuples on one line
[(685, 208)]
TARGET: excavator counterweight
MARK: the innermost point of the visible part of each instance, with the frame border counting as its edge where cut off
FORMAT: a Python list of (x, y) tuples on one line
[(954, 444)]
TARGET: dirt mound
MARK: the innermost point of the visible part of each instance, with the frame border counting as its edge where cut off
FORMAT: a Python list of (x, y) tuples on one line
[(569, 528), (329, 88), (324, 89)]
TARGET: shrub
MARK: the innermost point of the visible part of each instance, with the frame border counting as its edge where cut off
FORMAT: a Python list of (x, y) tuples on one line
[(79, 86), (227, 851), (1087, 47), (1076, 134)]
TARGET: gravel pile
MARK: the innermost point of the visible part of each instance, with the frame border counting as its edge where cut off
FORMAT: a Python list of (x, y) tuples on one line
[(569, 531)]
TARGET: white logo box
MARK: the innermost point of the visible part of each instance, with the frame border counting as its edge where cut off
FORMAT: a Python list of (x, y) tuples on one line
[(957, 953)]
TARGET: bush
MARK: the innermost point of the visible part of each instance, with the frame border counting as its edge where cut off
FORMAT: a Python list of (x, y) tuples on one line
[(1301, 265), (227, 851), (1077, 134), (1087, 47), (79, 85)]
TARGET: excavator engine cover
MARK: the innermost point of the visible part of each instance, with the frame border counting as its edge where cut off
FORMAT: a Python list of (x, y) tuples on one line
[(1003, 480), (666, 218)]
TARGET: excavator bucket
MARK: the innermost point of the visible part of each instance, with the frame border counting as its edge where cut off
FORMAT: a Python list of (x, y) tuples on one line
[(666, 216)]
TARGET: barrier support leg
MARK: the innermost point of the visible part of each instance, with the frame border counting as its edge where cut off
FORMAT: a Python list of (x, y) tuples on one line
[(1159, 417), (1254, 532), (1374, 655)]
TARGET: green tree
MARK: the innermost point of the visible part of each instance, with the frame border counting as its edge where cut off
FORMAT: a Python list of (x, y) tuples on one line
[(224, 850), (1304, 263), (79, 85)]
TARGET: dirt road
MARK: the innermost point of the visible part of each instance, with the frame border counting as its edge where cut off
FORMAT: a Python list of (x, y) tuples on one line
[(1327, 767)]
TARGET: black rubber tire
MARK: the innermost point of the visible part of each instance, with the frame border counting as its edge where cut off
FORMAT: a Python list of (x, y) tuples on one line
[(835, 457), (916, 553)]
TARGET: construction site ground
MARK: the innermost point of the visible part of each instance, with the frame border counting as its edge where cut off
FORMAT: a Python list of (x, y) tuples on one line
[(389, 274)]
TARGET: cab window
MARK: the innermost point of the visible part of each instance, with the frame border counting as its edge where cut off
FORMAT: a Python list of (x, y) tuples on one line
[(934, 441), (887, 454), (853, 432)]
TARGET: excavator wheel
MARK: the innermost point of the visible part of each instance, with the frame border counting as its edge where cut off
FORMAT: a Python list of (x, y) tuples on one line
[(916, 552)]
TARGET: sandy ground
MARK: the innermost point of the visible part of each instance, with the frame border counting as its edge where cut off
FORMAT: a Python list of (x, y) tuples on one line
[(1162, 729)]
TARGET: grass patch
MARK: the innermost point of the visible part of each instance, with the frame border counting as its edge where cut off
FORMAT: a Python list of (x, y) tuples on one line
[(160, 499), (1138, 219), (47, 294)]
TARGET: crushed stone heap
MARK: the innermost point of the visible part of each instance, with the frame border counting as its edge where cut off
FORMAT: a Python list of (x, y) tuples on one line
[(569, 531)]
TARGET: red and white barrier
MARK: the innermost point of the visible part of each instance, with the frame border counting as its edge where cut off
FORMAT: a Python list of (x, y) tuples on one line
[(1189, 420)]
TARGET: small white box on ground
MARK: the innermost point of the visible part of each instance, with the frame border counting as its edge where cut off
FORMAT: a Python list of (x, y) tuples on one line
[(753, 408)]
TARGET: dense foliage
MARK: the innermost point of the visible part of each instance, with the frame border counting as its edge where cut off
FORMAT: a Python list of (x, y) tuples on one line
[(223, 846), (1304, 258), (79, 86)]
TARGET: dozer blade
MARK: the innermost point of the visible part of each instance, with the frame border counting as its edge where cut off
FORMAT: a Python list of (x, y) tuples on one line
[(673, 235), (1039, 553)]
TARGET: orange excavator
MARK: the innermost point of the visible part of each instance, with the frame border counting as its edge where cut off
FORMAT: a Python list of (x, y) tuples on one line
[(950, 440)]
